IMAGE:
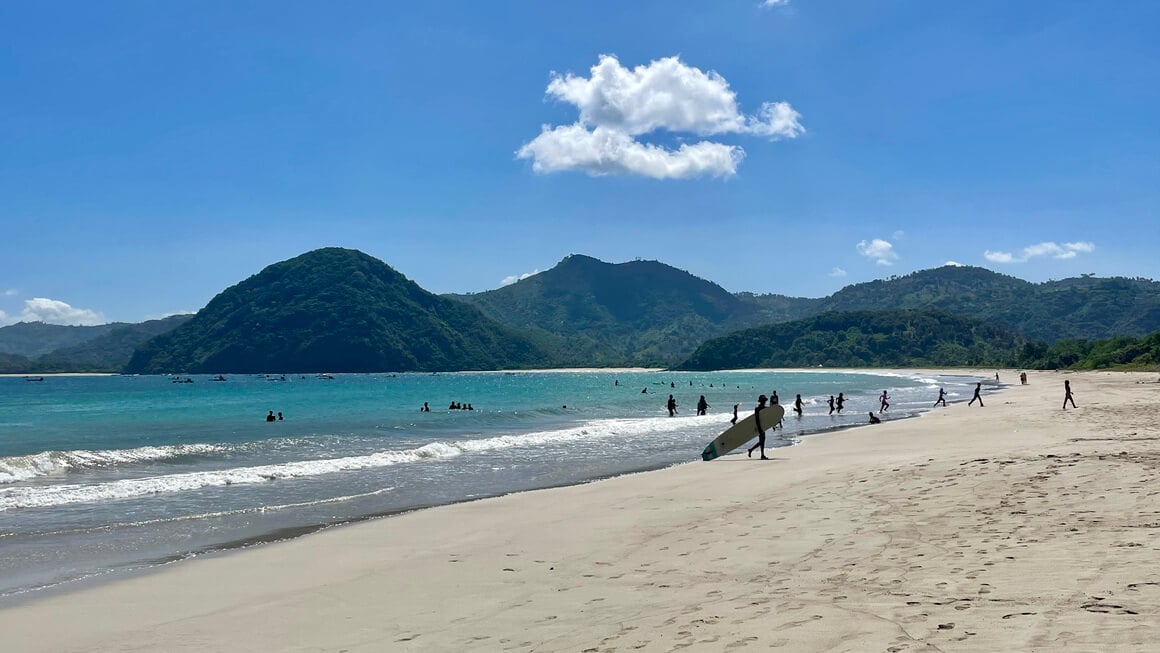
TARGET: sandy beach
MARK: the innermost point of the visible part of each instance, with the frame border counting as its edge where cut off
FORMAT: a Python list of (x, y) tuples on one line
[(1014, 527)]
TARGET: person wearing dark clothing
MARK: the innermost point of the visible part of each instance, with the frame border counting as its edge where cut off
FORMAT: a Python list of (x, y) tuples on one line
[(760, 431), (734, 420), (883, 402), (270, 417), (279, 416), (841, 403), (425, 408), (942, 398), (797, 405), (979, 397), (1067, 394), (672, 406), (773, 400), (702, 405), (831, 404), (874, 418)]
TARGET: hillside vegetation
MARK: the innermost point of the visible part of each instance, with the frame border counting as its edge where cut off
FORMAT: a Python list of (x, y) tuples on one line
[(334, 310)]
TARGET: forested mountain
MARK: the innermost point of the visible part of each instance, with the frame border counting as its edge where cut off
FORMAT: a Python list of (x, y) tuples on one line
[(334, 310), (33, 339), (1124, 352), (109, 352), (896, 338), (1081, 307), (636, 313)]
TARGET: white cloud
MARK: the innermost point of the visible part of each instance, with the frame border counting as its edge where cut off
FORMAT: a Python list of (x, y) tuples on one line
[(898, 235), (1054, 250), (878, 250), (773, 3), (837, 272), (507, 281), (617, 105), (52, 311), (11, 292), (953, 264)]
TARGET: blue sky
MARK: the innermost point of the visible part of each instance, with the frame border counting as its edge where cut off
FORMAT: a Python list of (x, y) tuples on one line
[(154, 153)]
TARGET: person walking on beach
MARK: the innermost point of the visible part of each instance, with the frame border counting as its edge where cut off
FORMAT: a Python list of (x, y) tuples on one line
[(702, 405), (797, 405), (760, 430), (1067, 394), (883, 402), (978, 389), (841, 402), (831, 404), (672, 406), (942, 398), (874, 418)]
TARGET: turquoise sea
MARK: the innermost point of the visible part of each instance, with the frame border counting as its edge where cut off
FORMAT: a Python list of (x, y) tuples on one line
[(102, 475)]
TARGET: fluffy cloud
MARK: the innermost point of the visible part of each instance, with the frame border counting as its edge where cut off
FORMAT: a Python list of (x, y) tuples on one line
[(507, 281), (837, 272), (952, 264), (878, 250), (617, 105), (1062, 252), (773, 3), (52, 311)]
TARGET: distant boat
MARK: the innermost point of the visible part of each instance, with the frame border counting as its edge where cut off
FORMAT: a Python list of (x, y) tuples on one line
[(219, 377), (34, 378)]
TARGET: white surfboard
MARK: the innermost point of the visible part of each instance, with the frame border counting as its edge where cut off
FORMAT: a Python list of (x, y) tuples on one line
[(743, 431)]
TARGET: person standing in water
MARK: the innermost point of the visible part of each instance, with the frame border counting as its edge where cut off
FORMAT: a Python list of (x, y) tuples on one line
[(978, 389), (1067, 394), (760, 430), (734, 420), (841, 402), (942, 398), (702, 405), (672, 406), (831, 404), (883, 402), (797, 405)]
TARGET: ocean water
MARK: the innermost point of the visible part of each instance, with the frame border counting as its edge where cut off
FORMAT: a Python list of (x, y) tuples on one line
[(100, 475)]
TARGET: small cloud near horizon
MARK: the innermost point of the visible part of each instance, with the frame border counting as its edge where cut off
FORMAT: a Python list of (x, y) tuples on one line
[(837, 272), (773, 3), (878, 250), (507, 281), (53, 311), (617, 105), (953, 264), (11, 292), (1054, 250)]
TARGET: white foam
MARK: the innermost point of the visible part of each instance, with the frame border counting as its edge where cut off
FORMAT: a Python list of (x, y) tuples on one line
[(57, 495), (22, 468)]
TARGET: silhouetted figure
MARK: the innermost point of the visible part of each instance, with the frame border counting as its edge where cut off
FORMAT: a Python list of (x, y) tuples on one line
[(671, 404), (616, 382), (996, 377), (1067, 394), (644, 392), (279, 416), (773, 400), (425, 408), (874, 418), (702, 405), (1023, 378), (942, 398), (883, 402), (470, 407), (841, 403), (760, 430), (979, 397), (734, 420), (270, 417), (672, 384), (797, 405), (831, 404)]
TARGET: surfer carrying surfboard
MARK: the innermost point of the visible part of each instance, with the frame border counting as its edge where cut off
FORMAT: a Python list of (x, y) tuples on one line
[(760, 430)]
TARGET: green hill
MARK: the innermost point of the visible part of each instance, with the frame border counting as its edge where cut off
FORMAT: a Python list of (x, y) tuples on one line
[(1081, 307), (109, 352), (637, 313), (33, 339), (896, 338), (334, 310)]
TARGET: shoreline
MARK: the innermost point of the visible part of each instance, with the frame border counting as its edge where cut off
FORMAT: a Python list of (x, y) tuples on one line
[(944, 530)]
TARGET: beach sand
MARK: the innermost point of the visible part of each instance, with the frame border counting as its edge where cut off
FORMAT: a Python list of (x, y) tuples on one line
[(1014, 527)]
